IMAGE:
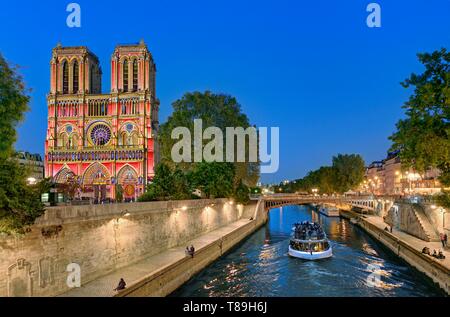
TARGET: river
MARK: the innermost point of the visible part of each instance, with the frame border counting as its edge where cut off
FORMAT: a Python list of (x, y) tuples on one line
[(260, 266)]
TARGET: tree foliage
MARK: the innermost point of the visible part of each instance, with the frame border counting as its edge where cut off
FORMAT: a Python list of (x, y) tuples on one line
[(346, 173), (214, 179), (13, 105), (20, 203), (423, 137), (218, 110)]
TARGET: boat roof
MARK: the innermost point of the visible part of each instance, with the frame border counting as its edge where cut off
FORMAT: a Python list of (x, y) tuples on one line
[(308, 232)]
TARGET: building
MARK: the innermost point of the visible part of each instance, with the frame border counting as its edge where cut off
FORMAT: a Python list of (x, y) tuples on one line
[(34, 163), (386, 177), (102, 140)]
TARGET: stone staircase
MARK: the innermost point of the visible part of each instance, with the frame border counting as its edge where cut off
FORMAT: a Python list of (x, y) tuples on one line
[(427, 227)]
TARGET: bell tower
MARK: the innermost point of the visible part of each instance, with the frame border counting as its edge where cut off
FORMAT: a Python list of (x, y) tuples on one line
[(74, 70)]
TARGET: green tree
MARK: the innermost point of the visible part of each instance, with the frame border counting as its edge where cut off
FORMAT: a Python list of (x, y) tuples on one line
[(214, 179), (349, 171), (219, 110), (423, 137), (241, 194), (13, 105), (20, 203)]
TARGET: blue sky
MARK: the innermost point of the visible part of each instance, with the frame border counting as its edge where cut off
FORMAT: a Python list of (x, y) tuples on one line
[(312, 68)]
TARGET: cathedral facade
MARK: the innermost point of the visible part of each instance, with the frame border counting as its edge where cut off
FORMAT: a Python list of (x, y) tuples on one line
[(104, 142)]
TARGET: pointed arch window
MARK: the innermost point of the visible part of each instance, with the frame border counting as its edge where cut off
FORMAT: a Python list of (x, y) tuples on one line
[(125, 75), (135, 75), (75, 82), (65, 80)]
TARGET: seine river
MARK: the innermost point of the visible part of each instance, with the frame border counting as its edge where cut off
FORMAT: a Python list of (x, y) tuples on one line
[(260, 265)]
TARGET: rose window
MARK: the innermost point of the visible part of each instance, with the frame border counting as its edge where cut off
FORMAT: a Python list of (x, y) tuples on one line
[(100, 134)]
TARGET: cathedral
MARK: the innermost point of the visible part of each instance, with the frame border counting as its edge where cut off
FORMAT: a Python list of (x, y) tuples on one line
[(104, 142)]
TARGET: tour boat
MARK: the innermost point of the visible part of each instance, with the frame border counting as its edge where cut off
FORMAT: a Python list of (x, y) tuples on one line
[(329, 211), (309, 242)]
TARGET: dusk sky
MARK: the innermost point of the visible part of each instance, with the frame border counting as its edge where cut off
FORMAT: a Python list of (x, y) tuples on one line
[(312, 68)]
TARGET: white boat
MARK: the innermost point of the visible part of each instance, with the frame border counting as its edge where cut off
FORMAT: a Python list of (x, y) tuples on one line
[(309, 242), (329, 211)]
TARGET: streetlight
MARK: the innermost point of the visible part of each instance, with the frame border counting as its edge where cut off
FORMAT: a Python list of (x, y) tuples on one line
[(31, 180)]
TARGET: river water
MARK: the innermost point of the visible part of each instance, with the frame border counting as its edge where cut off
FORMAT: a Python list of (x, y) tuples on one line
[(260, 266)]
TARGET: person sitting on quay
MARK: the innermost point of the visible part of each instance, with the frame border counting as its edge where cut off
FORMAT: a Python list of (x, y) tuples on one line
[(426, 250), (441, 255), (191, 251), (435, 254), (121, 285)]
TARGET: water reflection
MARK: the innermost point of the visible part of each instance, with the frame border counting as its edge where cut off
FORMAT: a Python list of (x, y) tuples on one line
[(261, 267)]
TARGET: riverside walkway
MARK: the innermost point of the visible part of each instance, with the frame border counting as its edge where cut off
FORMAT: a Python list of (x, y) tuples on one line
[(414, 242), (152, 266)]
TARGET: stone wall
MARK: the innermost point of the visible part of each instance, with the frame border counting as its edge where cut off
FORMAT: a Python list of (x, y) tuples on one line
[(102, 238), (411, 219)]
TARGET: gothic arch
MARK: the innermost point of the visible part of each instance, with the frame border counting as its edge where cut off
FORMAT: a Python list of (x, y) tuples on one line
[(96, 173), (127, 173), (63, 174)]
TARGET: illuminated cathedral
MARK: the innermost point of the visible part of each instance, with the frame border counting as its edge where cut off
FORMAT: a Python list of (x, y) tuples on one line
[(102, 140)]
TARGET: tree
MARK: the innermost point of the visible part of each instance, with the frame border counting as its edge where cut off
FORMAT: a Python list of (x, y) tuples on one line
[(13, 105), (241, 194), (168, 184), (218, 110), (20, 204), (349, 171), (214, 180), (423, 137)]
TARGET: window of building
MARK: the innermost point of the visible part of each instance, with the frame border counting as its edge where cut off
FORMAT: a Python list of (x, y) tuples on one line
[(75, 77), (125, 75), (135, 75), (65, 81)]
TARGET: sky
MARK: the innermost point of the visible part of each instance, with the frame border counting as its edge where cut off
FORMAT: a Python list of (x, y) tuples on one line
[(312, 68)]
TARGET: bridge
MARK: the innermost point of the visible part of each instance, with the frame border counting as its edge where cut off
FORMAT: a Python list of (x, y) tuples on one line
[(358, 203)]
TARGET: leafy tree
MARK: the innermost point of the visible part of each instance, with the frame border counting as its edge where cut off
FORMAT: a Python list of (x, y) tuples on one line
[(13, 105), (168, 184), (241, 194), (217, 110), (349, 171), (423, 137), (20, 204), (214, 179)]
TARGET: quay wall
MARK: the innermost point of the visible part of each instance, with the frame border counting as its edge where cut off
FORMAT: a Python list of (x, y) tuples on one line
[(425, 264), (168, 279), (104, 238)]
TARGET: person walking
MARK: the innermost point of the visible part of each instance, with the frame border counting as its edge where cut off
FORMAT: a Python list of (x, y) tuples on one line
[(441, 236), (445, 239)]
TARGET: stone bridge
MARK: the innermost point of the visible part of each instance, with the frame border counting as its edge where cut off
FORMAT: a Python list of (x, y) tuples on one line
[(360, 203)]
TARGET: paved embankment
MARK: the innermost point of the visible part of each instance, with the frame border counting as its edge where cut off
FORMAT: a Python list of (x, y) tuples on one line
[(161, 274), (407, 247)]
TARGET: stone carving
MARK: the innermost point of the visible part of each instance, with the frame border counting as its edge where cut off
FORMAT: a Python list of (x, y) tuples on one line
[(46, 272), (51, 231), (19, 279)]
